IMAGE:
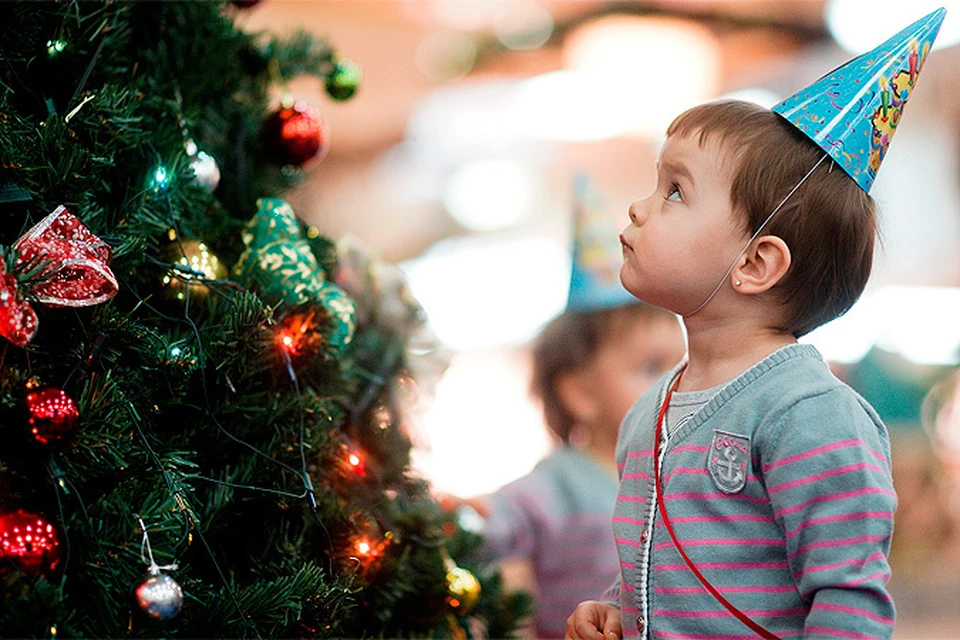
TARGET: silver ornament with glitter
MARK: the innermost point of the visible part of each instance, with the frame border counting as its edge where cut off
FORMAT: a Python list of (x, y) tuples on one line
[(205, 169), (159, 596)]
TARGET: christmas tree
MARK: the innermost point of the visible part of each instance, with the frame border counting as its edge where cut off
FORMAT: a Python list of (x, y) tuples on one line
[(201, 398)]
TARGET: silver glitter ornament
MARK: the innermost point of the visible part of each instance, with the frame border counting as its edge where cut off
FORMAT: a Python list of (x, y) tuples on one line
[(159, 596), (205, 169)]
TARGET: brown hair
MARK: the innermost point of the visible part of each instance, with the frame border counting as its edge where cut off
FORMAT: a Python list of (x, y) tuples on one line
[(568, 342), (829, 223)]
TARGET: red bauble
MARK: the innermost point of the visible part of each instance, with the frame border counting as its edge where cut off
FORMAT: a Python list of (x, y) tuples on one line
[(29, 542), (53, 416), (296, 134)]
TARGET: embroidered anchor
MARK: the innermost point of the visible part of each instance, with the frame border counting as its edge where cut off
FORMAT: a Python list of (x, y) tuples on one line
[(728, 459)]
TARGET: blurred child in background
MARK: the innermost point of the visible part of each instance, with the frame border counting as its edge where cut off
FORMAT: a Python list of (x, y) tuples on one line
[(551, 528)]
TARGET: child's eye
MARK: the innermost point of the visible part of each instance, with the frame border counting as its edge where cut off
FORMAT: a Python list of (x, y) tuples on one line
[(674, 193)]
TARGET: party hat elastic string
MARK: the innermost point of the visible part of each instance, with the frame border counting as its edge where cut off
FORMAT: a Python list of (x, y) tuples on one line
[(755, 235)]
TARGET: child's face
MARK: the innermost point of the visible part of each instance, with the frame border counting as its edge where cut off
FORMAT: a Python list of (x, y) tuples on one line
[(628, 361), (682, 238)]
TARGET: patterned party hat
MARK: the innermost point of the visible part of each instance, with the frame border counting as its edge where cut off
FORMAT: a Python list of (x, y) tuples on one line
[(853, 111), (597, 254)]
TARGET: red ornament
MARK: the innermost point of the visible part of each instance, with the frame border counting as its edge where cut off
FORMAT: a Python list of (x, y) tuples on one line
[(74, 273), (28, 541), (53, 416), (296, 134)]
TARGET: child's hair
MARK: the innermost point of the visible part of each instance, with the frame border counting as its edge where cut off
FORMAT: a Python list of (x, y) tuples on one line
[(568, 342), (829, 223)]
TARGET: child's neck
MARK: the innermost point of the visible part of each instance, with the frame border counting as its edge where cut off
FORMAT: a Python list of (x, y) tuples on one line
[(719, 352)]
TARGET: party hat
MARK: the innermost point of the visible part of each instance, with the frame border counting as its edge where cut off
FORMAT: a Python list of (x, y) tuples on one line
[(853, 111), (597, 254)]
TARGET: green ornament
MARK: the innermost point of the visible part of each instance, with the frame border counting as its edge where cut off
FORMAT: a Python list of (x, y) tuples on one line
[(344, 80), (279, 265), (343, 315)]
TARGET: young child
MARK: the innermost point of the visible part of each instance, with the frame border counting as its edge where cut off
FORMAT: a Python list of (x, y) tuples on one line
[(756, 497), (590, 364)]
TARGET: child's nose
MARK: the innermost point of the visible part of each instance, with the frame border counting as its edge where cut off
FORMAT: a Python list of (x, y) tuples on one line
[(636, 213)]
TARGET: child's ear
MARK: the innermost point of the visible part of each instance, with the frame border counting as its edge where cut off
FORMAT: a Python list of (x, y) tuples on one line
[(576, 395), (762, 265)]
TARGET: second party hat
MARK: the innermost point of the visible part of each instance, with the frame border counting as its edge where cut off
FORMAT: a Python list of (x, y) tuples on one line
[(597, 253), (853, 111)]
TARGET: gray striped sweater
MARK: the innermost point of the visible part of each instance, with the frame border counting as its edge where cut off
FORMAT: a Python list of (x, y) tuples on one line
[(779, 490)]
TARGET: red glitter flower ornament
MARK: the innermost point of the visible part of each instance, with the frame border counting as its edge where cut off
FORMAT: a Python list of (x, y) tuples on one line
[(68, 266)]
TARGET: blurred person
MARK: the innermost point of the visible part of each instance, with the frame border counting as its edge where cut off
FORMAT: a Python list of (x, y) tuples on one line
[(756, 495), (551, 528)]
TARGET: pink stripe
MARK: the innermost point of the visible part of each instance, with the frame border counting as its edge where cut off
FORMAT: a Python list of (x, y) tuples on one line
[(882, 575), (839, 633), (722, 565), (632, 633), (727, 518), (639, 475), (711, 636), (721, 614), (626, 498), (813, 452), (691, 495), (827, 567), (627, 587), (679, 590), (839, 471), (859, 515), (834, 496), (700, 542), (632, 610), (640, 454), (630, 565), (690, 447), (634, 521), (627, 542), (822, 544)]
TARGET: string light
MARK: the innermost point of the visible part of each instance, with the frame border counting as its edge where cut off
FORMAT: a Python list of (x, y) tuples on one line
[(56, 47), (356, 463), (160, 178), (298, 334)]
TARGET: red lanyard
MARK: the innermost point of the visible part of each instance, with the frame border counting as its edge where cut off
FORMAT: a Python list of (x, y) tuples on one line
[(741, 616)]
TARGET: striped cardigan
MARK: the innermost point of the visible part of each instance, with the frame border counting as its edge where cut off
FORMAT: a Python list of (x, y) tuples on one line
[(779, 490)]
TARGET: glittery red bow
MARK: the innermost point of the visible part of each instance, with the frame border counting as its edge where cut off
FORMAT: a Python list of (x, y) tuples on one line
[(73, 272)]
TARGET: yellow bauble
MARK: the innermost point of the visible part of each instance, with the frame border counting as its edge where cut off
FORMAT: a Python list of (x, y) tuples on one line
[(198, 263), (464, 590)]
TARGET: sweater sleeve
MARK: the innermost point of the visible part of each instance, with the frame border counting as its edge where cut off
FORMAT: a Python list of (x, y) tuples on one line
[(827, 472), (513, 524), (612, 595)]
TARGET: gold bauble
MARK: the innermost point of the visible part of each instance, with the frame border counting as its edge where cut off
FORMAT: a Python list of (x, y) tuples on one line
[(464, 589), (197, 259)]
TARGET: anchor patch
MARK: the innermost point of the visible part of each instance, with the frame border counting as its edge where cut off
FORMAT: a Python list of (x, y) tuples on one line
[(728, 461)]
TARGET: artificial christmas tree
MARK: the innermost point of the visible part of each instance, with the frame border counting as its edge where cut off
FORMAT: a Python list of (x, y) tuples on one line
[(200, 430)]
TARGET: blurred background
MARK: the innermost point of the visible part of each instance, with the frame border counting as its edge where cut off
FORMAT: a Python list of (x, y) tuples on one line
[(456, 159)]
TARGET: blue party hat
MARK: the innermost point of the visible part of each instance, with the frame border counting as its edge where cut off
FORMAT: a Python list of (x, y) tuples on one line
[(853, 111), (597, 254)]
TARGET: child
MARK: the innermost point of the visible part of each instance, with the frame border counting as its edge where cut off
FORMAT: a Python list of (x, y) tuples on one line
[(756, 497), (590, 364)]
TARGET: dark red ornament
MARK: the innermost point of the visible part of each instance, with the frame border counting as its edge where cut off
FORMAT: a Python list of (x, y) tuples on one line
[(53, 416), (296, 134), (29, 542)]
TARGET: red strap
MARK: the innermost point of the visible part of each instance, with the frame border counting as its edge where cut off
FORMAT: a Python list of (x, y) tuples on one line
[(741, 616)]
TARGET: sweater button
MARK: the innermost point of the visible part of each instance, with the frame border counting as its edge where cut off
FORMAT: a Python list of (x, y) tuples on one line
[(641, 624)]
